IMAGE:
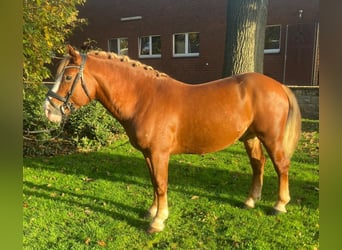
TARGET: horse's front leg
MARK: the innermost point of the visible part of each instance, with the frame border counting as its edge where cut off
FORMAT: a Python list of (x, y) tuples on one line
[(152, 211), (159, 212)]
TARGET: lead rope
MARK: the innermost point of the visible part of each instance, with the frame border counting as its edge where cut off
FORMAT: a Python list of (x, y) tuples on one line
[(60, 131)]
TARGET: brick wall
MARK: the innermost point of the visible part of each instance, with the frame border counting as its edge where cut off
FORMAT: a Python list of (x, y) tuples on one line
[(308, 99)]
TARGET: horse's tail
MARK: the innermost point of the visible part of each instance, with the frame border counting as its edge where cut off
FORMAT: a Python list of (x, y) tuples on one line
[(293, 124)]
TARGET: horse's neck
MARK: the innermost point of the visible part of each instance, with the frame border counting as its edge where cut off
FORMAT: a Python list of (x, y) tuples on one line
[(119, 88)]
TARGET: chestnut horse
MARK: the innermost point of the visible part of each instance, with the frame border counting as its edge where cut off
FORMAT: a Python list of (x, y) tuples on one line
[(163, 116)]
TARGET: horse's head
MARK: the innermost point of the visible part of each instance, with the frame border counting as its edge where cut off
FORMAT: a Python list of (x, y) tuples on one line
[(70, 90)]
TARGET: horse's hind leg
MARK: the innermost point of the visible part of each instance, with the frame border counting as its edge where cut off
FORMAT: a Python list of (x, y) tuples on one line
[(281, 164), (257, 160)]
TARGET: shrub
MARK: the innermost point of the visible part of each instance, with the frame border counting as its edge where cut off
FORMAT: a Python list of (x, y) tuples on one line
[(34, 120), (92, 126), (89, 128)]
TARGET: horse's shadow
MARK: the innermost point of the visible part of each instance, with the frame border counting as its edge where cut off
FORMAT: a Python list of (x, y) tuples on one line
[(44, 192), (221, 185)]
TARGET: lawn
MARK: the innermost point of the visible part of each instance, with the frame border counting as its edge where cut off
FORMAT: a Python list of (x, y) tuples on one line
[(97, 200)]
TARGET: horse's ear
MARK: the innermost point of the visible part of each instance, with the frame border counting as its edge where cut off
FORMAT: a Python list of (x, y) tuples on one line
[(71, 51)]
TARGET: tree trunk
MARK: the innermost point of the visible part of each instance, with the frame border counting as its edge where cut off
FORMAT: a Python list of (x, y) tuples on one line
[(245, 36)]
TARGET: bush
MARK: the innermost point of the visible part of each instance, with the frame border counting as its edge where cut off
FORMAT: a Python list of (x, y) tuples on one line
[(92, 126), (34, 120), (89, 128)]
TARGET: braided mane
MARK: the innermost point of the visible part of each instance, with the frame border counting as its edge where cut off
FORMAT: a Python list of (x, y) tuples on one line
[(126, 59)]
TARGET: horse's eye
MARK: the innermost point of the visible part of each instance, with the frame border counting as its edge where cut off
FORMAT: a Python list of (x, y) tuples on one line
[(68, 78)]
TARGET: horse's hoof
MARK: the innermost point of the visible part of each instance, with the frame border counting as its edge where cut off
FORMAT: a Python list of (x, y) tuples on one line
[(246, 207), (152, 230), (275, 212), (156, 226)]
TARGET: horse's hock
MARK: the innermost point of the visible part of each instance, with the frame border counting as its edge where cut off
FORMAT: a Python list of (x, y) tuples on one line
[(308, 100)]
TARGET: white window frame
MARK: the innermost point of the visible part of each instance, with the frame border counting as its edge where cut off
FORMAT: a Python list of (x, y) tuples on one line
[(150, 55), (187, 53), (118, 44), (277, 50)]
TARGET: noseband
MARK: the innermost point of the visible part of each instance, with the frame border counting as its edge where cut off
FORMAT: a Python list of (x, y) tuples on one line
[(67, 105)]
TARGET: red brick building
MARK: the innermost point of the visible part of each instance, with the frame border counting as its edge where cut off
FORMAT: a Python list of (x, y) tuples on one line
[(186, 39)]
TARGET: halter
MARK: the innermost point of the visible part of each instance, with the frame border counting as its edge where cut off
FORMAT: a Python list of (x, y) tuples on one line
[(67, 105)]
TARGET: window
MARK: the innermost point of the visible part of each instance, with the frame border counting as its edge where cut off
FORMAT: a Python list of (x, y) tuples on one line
[(118, 46), (272, 39), (149, 46), (186, 44)]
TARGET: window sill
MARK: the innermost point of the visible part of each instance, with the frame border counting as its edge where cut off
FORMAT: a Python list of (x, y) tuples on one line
[(185, 55), (149, 56), (271, 51)]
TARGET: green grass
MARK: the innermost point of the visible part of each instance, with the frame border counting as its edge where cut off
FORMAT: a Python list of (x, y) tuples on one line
[(97, 201)]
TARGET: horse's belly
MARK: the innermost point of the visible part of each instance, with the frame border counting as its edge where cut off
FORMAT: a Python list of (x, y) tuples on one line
[(201, 141)]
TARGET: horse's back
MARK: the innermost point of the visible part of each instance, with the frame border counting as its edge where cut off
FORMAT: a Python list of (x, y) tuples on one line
[(212, 115)]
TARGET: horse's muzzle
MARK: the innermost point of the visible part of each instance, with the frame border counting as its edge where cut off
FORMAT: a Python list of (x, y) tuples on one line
[(53, 114)]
